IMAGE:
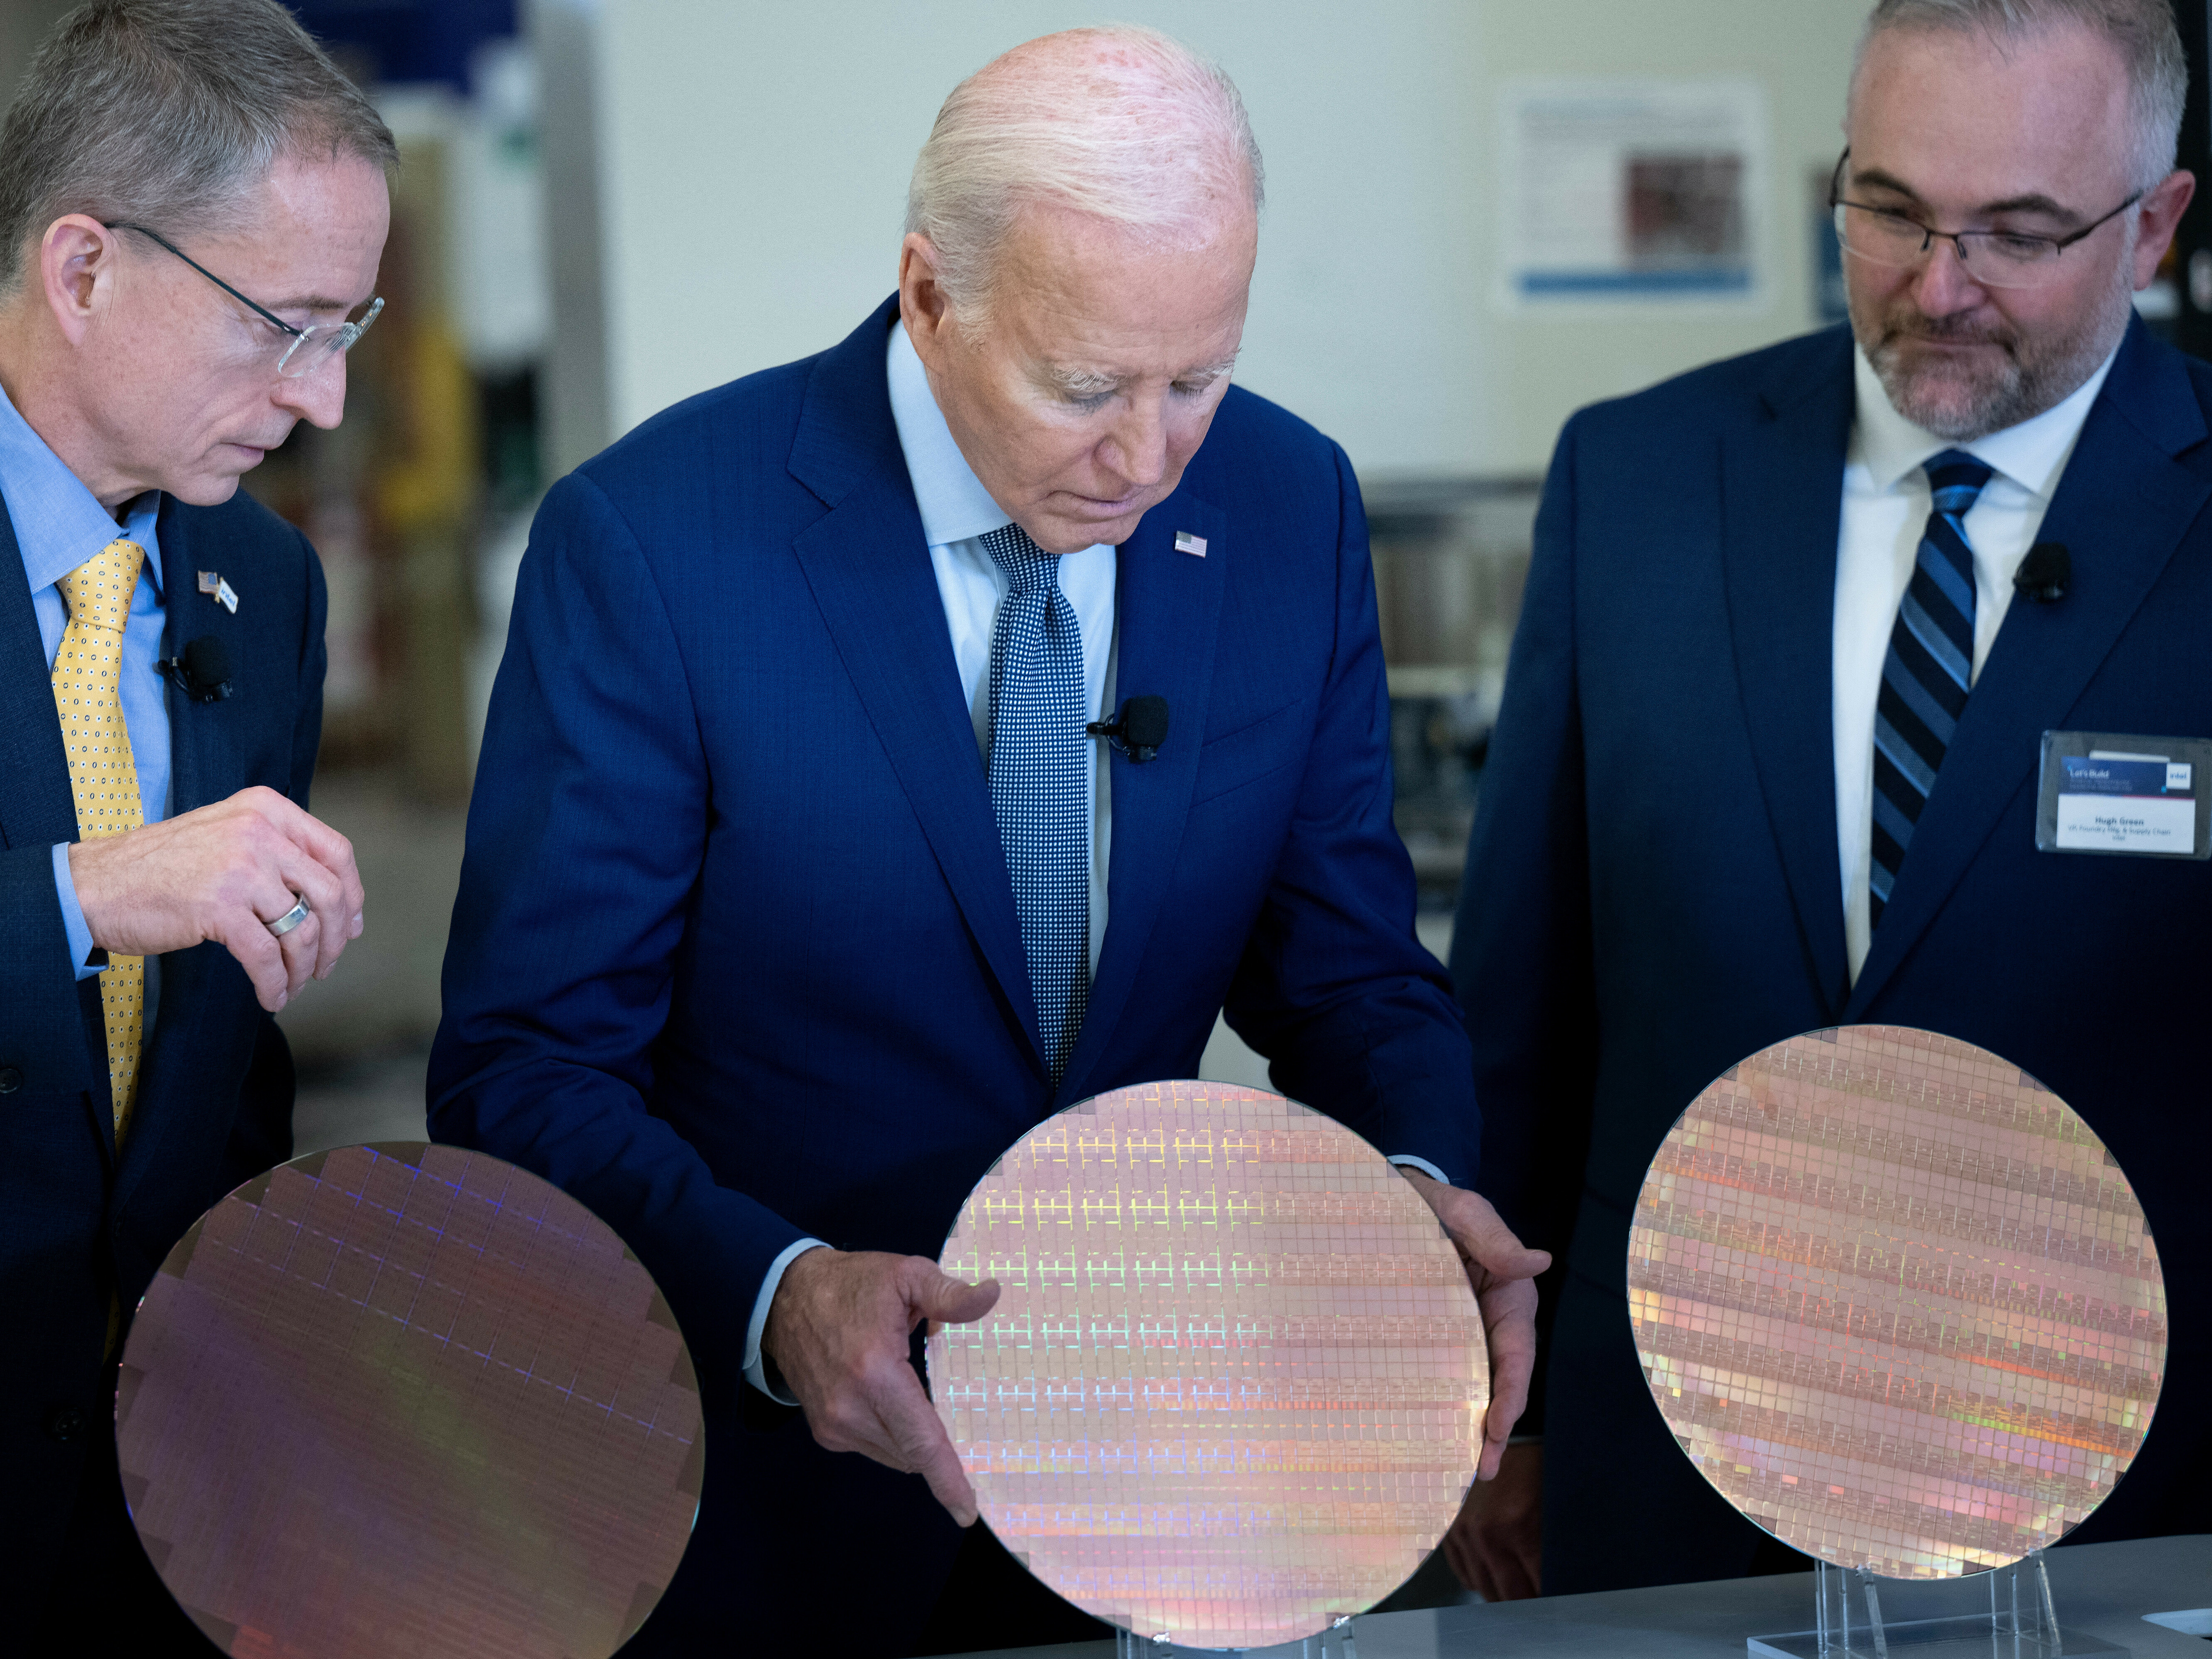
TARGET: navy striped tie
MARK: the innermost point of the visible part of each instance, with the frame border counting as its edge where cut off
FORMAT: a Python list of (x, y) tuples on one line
[(1925, 678), (1039, 794)]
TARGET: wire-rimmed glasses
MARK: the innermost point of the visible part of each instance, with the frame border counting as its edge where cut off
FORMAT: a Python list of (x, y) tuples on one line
[(1993, 258), (306, 350)]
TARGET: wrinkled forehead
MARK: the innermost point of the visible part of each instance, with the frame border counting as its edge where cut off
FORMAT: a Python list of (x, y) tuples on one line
[(1074, 273)]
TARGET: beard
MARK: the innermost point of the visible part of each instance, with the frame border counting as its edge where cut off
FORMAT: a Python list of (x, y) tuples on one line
[(2018, 374)]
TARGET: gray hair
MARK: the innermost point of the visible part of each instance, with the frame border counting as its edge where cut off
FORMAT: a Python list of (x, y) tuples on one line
[(169, 113), (1121, 123), (2142, 32)]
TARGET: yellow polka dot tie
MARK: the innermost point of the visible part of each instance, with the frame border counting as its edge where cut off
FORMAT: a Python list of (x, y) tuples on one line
[(103, 776)]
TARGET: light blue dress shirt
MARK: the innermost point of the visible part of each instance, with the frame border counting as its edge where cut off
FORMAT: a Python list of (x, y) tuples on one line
[(59, 524), (956, 514)]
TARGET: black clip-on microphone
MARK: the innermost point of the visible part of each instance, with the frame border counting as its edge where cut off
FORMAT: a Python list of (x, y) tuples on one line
[(2044, 575), (202, 673), (1138, 731)]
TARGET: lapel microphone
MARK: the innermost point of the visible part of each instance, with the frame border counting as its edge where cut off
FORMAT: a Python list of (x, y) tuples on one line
[(202, 673), (1138, 731), (2045, 573)]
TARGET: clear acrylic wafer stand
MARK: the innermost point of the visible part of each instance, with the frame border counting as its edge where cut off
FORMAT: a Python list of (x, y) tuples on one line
[(2005, 1613), (1337, 1642)]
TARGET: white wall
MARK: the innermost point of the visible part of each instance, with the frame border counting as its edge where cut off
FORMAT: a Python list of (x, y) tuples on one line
[(1799, 50), (755, 154)]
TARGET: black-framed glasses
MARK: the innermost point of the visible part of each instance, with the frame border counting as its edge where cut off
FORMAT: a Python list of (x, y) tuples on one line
[(306, 350), (1994, 258)]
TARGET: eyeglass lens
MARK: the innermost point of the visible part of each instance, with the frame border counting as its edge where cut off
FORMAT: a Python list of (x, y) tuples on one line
[(1994, 260), (318, 345)]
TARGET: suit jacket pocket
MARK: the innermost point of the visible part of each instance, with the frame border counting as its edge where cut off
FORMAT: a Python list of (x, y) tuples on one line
[(1250, 752)]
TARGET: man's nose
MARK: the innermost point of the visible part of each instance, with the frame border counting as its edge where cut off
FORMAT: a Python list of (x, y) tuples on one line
[(1137, 446), (1946, 284), (317, 397)]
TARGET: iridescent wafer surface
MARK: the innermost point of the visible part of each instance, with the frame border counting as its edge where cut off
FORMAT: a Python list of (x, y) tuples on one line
[(1233, 1388), (1897, 1301), (408, 1400)]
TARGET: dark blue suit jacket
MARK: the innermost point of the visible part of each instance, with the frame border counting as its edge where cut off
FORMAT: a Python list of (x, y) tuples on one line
[(736, 960), (1654, 888), (215, 1091)]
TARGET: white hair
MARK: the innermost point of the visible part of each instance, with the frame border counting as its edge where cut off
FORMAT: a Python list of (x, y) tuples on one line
[(1120, 123), (2142, 32)]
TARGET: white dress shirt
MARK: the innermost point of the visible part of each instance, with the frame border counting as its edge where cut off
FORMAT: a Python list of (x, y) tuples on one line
[(1885, 505)]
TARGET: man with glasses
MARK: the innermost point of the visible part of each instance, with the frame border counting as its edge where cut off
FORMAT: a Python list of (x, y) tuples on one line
[(192, 207), (1772, 753)]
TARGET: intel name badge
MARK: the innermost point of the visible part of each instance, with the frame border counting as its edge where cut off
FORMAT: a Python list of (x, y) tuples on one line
[(2132, 804)]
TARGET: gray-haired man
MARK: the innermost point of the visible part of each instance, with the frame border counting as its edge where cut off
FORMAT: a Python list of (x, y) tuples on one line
[(784, 915), (192, 206)]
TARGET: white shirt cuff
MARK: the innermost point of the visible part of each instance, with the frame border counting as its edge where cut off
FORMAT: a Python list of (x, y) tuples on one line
[(1408, 1161), (73, 922), (756, 1370)]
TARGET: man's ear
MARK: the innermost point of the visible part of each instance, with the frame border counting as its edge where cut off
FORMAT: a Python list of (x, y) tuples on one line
[(2163, 205), (923, 306), (76, 266)]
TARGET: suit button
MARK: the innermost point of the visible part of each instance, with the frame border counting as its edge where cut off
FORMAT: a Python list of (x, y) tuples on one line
[(65, 1424), (10, 1079)]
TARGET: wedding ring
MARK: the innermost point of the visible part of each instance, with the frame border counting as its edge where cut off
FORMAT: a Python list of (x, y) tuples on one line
[(291, 919)]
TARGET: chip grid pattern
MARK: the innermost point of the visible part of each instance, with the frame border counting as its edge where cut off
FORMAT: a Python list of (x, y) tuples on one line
[(1897, 1301), (1233, 1388)]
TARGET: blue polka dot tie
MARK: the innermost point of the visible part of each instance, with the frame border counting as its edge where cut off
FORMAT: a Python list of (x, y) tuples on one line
[(1928, 671), (1039, 762)]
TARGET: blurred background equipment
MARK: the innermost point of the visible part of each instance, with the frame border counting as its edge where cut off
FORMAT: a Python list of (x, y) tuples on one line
[(610, 204), (1450, 559)]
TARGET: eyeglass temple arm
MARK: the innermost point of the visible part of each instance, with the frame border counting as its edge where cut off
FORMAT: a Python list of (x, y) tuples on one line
[(259, 311)]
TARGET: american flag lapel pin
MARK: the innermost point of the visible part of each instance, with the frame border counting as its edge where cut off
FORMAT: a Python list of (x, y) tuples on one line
[(209, 581), (1186, 543)]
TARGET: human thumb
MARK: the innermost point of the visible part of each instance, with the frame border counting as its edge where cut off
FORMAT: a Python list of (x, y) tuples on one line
[(934, 1294)]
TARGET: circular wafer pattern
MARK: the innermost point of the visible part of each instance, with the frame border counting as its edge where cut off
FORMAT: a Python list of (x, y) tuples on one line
[(1233, 1388), (409, 1399), (1897, 1301)]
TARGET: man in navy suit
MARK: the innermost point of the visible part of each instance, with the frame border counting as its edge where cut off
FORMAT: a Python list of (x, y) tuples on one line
[(192, 202), (795, 893), (1769, 758)]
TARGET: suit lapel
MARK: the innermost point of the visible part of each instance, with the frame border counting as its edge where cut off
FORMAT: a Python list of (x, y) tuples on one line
[(198, 774), (36, 806), (869, 570), (1167, 610), (164, 1089), (191, 765), (2122, 506), (1782, 491)]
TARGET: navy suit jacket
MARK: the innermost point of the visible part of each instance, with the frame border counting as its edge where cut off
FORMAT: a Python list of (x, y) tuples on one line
[(735, 959), (1653, 888), (214, 1106)]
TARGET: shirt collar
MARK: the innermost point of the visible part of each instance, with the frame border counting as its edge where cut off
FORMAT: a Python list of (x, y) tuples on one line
[(954, 504), (2032, 454), (59, 524)]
